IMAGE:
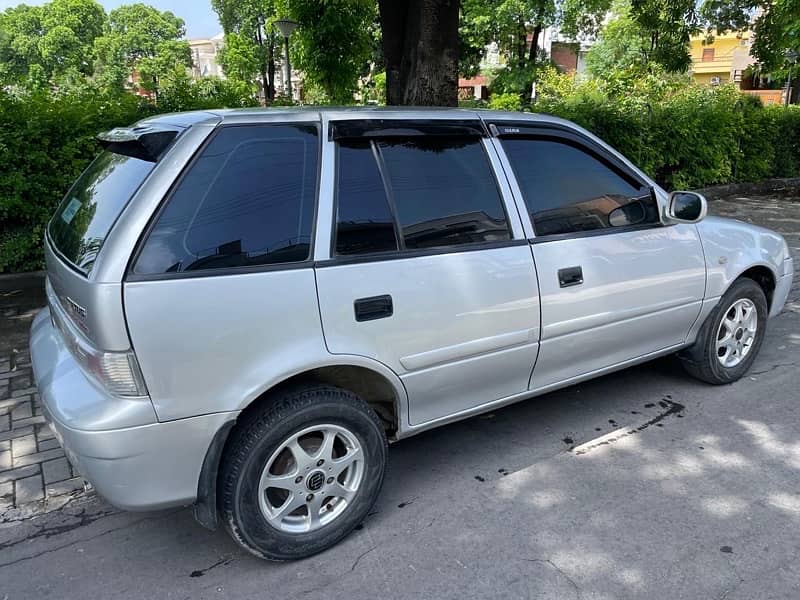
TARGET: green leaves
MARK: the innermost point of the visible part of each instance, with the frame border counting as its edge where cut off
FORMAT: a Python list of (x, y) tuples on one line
[(333, 44)]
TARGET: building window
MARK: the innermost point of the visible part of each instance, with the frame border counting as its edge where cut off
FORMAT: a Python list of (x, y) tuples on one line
[(708, 54)]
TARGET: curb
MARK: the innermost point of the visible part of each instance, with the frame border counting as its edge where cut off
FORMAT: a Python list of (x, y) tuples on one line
[(22, 275), (761, 187)]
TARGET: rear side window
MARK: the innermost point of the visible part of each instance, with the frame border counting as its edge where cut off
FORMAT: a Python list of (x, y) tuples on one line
[(569, 189), (91, 207), (437, 192), (247, 200)]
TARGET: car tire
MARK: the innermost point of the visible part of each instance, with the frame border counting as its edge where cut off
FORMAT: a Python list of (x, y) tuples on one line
[(723, 353), (295, 452)]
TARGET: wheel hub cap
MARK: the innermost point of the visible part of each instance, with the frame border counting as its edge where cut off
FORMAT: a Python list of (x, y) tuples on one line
[(315, 481), (311, 478), (737, 332)]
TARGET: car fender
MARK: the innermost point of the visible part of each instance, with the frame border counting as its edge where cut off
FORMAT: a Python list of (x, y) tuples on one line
[(732, 247)]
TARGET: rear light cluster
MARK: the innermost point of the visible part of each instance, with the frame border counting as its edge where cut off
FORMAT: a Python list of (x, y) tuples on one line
[(117, 372)]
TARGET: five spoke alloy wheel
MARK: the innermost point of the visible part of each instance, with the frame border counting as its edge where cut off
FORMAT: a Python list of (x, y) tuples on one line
[(737, 332), (311, 478)]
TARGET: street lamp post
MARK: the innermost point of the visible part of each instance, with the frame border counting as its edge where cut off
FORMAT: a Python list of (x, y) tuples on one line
[(287, 27), (791, 56)]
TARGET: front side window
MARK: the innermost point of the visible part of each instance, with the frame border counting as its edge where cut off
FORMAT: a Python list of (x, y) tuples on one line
[(569, 189), (437, 192), (247, 200)]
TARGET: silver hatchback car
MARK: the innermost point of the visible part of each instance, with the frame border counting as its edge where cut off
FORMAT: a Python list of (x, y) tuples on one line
[(244, 306)]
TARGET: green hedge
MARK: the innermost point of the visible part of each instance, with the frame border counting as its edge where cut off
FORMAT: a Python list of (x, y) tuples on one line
[(45, 143), (689, 139), (695, 138)]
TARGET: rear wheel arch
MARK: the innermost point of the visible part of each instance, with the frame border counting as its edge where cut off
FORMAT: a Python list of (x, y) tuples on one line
[(376, 389)]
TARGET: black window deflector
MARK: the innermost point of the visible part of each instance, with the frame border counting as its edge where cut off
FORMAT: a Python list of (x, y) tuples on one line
[(382, 128)]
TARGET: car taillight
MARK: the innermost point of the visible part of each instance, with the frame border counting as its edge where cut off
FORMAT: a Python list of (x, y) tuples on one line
[(117, 372)]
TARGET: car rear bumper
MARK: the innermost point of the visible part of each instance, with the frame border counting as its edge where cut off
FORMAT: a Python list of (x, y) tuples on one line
[(132, 460), (782, 288)]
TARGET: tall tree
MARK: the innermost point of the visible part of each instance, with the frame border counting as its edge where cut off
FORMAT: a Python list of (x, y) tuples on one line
[(251, 41), (420, 45), (621, 45), (333, 43), (142, 40), (52, 41), (667, 28)]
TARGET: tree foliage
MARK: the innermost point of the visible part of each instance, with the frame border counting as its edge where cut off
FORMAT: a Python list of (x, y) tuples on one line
[(49, 42), (143, 40), (251, 40), (333, 44)]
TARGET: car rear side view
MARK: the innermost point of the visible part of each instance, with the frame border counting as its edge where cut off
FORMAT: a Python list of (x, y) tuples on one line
[(245, 306)]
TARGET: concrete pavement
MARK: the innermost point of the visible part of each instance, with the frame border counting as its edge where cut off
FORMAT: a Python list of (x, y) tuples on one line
[(641, 484)]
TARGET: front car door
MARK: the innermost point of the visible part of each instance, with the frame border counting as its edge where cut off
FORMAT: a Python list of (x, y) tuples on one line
[(429, 271), (617, 285)]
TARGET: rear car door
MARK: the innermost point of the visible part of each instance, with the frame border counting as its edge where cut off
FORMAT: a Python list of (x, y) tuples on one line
[(616, 285), (429, 271)]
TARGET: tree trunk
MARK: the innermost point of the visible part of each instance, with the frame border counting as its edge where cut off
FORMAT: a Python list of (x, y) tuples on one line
[(537, 31), (420, 45), (271, 69)]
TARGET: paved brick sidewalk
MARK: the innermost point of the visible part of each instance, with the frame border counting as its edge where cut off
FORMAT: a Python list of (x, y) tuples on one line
[(35, 476)]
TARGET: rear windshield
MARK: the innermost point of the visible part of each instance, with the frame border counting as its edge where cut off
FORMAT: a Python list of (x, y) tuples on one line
[(91, 207)]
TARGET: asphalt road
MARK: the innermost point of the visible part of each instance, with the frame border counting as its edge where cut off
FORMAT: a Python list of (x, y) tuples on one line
[(641, 484)]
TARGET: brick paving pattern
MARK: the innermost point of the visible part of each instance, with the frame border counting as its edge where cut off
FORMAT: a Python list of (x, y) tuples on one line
[(34, 472)]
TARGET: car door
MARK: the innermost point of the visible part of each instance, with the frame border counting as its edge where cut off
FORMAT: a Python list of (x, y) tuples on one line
[(616, 284), (429, 271)]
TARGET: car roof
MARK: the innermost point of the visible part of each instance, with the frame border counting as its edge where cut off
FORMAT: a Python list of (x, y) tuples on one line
[(320, 113)]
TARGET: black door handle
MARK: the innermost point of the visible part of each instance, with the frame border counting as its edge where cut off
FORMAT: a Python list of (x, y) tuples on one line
[(570, 276), (375, 307)]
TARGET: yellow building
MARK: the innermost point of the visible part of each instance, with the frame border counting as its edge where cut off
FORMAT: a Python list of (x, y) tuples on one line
[(723, 60)]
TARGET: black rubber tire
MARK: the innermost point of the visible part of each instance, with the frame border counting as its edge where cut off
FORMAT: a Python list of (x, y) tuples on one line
[(700, 360), (259, 434)]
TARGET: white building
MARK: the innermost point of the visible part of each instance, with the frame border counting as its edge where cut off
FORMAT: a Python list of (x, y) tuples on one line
[(204, 57)]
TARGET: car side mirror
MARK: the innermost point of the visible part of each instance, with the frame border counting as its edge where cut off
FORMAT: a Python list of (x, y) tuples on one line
[(686, 207)]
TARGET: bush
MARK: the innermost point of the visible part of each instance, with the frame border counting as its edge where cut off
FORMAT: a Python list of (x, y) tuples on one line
[(505, 102), (47, 139), (45, 142), (687, 136)]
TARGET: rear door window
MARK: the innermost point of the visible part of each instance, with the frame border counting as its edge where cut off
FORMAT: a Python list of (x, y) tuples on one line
[(93, 204), (364, 219), (248, 200), (437, 192)]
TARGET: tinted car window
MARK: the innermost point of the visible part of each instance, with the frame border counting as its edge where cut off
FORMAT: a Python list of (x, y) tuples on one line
[(568, 189), (92, 205), (247, 200), (364, 220), (444, 192)]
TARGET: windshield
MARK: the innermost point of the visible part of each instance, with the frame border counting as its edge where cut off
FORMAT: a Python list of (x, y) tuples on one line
[(91, 207)]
